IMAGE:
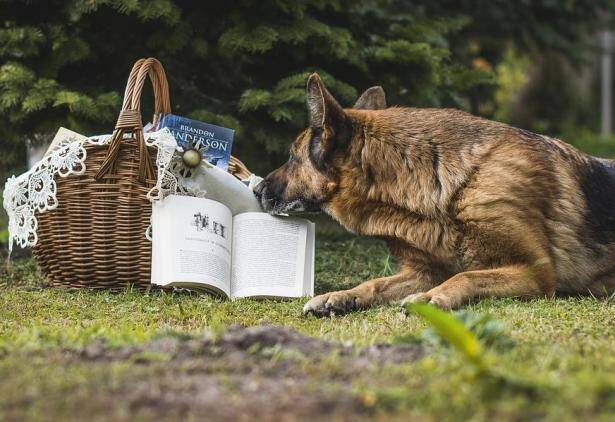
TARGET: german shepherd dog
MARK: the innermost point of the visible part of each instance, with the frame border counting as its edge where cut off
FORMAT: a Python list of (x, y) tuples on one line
[(469, 207)]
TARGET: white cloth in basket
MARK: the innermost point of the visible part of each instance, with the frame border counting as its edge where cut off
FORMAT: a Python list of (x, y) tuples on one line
[(35, 190)]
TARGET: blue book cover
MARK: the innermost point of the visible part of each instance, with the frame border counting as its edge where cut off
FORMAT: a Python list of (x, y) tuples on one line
[(215, 142)]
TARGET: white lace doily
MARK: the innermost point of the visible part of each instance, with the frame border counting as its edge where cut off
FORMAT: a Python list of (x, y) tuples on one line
[(35, 190)]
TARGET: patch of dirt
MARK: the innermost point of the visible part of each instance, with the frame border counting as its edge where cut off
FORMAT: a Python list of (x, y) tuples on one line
[(262, 372)]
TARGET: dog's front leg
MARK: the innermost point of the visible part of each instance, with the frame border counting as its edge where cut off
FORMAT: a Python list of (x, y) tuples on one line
[(512, 281), (378, 291)]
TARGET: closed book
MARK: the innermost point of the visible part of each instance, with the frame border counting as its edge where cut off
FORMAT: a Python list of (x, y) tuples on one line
[(214, 142)]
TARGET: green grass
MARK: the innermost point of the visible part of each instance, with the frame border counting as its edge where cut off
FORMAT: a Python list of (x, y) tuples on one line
[(592, 143), (564, 348)]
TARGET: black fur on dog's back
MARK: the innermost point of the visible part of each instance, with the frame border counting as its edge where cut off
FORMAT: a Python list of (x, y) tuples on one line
[(597, 181)]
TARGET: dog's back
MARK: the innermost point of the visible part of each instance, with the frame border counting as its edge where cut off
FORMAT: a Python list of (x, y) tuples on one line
[(509, 190)]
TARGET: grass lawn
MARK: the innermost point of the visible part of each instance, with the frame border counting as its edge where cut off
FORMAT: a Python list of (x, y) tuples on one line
[(53, 364)]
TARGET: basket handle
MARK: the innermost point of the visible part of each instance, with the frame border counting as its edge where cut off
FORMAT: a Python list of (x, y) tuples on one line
[(159, 84), (129, 119)]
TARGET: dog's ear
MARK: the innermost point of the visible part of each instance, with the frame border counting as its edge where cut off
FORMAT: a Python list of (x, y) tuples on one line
[(324, 110), (373, 98)]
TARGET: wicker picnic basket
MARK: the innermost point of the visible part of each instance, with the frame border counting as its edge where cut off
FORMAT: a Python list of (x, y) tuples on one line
[(95, 238)]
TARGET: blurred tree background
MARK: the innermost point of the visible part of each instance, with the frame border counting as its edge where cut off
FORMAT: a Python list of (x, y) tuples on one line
[(243, 64)]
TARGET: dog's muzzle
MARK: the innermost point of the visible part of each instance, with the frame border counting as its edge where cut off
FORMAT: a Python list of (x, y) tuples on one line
[(267, 199), (274, 205), (260, 191)]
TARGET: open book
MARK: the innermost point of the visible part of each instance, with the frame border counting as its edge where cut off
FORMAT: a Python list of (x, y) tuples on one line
[(197, 243)]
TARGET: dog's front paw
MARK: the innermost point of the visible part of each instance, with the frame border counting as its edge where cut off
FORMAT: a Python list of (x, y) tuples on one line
[(334, 303), (439, 300)]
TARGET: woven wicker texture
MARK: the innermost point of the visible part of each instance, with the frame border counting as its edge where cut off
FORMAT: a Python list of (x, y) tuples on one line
[(96, 236)]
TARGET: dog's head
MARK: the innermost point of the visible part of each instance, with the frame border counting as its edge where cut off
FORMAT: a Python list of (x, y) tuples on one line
[(309, 178)]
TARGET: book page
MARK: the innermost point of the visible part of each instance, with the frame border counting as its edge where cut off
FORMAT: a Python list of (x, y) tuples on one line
[(268, 256), (191, 243), (310, 250)]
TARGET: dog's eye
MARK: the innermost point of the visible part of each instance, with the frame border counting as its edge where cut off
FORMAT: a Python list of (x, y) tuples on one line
[(292, 157)]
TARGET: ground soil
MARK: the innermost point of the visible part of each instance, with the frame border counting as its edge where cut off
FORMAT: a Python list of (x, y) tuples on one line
[(263, 372)]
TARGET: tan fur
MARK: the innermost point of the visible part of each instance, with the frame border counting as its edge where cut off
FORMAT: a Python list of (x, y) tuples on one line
[(470, 208)]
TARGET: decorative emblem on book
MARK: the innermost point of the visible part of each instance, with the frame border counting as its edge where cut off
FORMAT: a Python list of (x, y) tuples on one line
[(203, 222), (192, 158)]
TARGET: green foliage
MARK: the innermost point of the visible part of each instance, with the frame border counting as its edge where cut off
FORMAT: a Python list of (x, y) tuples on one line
[(532, 26), (20, 42), (490, 332), (512, 76), (244, 64), (555, 48), (592, 143), (453, 331), (565, 348), (66, 63), (467, 333)]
